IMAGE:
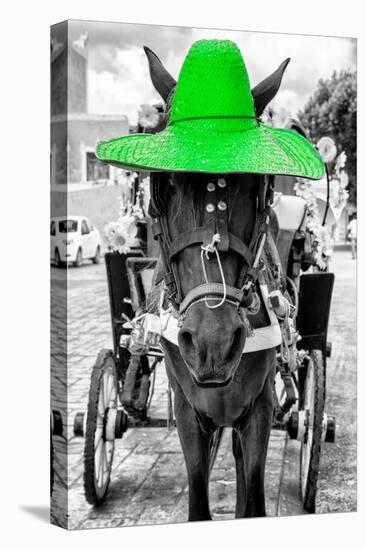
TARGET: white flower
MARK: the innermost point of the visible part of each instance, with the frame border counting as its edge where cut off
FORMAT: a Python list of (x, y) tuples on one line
[(148, 116), (322, 242), (121, 234)]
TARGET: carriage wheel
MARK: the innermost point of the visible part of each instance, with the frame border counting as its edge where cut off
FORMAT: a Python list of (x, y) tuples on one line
[(52, 471), (99, 433), (313, 404)]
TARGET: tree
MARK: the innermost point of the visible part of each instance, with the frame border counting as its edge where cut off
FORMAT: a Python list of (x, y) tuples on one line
[(331, 111)]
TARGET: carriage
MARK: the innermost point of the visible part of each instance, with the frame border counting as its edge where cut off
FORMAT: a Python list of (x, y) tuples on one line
[(122, 383), (263, 265)]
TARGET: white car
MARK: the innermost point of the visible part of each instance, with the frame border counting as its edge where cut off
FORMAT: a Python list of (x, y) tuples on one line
[(74, 239)]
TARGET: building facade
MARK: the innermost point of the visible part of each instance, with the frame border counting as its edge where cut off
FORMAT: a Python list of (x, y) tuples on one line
[(74, 131)]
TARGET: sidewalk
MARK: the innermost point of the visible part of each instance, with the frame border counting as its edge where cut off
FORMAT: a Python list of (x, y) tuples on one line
[(148, 483)]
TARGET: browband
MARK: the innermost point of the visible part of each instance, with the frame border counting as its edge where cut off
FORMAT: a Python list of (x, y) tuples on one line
[(210, 289), (204, 235)]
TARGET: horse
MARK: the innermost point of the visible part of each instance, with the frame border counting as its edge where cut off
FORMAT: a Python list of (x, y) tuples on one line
[(215, 385)]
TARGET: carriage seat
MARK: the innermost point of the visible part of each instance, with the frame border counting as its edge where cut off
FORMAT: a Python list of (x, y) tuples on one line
[(291, 215)]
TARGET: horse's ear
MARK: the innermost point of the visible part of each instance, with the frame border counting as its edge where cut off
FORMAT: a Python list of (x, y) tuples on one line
[(162, 80), (265, 91), (294, 124)]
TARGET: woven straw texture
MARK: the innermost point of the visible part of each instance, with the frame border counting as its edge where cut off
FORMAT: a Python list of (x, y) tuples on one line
[(212, 126)]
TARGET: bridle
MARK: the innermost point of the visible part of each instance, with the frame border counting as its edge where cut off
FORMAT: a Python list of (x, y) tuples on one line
[(214, 237)]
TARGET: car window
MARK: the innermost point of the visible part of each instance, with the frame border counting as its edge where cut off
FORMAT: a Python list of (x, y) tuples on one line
[(68, 226), (53, 228), (84, 228)]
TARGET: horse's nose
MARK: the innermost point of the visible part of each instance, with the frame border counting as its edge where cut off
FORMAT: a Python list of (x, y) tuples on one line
[(211, 350)]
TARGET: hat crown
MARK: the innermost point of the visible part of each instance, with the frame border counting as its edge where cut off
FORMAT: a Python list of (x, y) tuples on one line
[(213, 82)]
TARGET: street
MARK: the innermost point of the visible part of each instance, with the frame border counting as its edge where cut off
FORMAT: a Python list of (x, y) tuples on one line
[(148, 482)]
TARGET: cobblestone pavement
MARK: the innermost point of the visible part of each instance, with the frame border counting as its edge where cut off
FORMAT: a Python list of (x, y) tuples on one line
[(148, 483)]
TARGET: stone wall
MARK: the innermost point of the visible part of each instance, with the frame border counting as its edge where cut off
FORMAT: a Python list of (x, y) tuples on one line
[(100, 204), (84, 132)]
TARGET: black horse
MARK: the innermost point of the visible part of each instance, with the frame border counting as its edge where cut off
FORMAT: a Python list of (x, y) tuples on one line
[(214, 384)]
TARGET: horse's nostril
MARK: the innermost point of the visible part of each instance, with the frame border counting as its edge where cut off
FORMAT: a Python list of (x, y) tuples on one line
[(192, 346)]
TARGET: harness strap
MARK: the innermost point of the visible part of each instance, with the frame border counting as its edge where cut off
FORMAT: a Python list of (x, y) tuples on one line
[(170, 278), (204, 235), (156, 229), (210, 289), (217, 222)]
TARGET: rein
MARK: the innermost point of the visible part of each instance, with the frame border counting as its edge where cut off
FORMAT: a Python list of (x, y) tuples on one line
[(206, 251), (213, 238)]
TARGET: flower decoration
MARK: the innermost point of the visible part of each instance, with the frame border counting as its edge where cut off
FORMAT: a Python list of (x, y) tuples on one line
[(148, 116), (136, 209), (322, 243), (121, 234)]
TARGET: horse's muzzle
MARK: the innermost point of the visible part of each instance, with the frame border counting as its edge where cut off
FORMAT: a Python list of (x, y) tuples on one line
[(210, 382), (212, 346)]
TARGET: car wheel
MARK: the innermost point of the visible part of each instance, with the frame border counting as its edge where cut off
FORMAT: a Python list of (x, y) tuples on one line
[(79, 258), (96, 259)]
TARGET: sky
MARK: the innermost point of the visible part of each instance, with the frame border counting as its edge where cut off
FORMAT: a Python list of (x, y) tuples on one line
[(118, 75)]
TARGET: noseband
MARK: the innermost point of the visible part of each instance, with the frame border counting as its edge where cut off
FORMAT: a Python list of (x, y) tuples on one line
[(214, 238)]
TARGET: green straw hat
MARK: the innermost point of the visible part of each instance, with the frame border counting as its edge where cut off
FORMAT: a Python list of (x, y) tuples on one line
[(212, 126)]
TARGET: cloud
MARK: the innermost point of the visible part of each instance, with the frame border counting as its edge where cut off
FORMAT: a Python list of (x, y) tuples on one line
[(312, 58), (123, 90), (119, 80), (106, 39)]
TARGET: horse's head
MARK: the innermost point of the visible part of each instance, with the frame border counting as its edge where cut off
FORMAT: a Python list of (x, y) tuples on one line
[(207, 226), (212, 333)]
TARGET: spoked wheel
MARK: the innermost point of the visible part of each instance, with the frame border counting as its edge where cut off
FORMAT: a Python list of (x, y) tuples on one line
[(313, 404), (100, 428), (52, 471)]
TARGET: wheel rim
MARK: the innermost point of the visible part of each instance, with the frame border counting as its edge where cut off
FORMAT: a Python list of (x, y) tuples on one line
[(103, 448), (309, 401)]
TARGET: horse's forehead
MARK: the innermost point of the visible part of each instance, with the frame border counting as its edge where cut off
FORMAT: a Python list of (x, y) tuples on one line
[(194, 179), (195, 199), (197, 190)]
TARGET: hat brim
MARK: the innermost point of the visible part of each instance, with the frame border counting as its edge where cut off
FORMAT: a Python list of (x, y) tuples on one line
[(259, 150)]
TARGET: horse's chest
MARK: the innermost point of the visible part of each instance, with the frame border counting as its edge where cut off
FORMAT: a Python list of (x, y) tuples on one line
[(221, 410)]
